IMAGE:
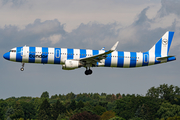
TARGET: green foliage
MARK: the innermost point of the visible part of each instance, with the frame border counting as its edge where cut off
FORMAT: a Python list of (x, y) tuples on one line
[(111, 105), (45, 110), (170, 93), (18, 111), (143, 107), (70, 96), (1, 114), (107, 115), (84, 97), (168, 110), (103, 94), (57, 108), (85, 116), (96, 96), (45, 95), (103, 104), (173, 118), (136, 118), (117, 118), (161, 103), (99, 110), (141, 112), (9, 112), (73, 105), (28, 110), (80, 105)]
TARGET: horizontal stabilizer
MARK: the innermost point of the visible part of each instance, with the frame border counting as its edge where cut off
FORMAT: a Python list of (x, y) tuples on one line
[(164, 58)]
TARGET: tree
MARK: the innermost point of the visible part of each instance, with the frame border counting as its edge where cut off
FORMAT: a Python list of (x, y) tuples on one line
[(136, 118), (85, 116), (80, 104), (110, 98), (111, 105), (57, 108), (107, 115), (70, 96), (29, 110), (9, 112), (103, 94), (170, 93), (141, 112), (131, 106), (73, 105), (168, 110), (174, 118), (45, 110), (99, 110), (45, 95), (117, 118), (103, 104), (83, 97), (1, 114), (18, 111), (96, 96), (118, 96)]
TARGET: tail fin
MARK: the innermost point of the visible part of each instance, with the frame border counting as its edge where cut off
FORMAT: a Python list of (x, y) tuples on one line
[(161, 48)]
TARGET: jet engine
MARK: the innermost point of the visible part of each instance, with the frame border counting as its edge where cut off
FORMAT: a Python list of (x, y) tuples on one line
[(71, 64)]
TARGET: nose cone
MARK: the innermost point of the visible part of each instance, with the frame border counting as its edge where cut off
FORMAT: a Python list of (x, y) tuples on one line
[(7, 56)]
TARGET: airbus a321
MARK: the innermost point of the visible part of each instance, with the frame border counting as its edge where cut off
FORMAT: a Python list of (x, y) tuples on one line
[(71, 59)]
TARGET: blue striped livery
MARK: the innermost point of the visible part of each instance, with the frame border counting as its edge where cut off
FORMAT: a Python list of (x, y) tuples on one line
[(75, 58)]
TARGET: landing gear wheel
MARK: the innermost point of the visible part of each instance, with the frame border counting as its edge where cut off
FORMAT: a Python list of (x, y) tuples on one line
[(88, 72), (22, 69)]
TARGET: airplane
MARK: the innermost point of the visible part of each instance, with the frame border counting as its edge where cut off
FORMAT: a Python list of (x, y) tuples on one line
[(71, 59)]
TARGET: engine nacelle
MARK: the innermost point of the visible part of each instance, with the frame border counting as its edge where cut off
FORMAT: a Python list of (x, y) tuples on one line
[(71, 65)]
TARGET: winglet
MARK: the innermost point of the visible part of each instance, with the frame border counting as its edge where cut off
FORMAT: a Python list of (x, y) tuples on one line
[(103, 48), (115, 45)]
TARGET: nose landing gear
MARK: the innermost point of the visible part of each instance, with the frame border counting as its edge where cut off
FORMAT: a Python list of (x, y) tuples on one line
[(88, 72), (22, 69)]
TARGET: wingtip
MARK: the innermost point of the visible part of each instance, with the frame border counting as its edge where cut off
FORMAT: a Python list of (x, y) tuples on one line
[(115, 45)]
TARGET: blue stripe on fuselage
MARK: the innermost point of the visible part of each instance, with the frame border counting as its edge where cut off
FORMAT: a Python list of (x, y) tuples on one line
[(95, 52), (70, 54), (18, 54), (57, 55), (32, 54), (132, 59), (120, 59), (82, 53), (108, 60), (145, 59), (44, 55)]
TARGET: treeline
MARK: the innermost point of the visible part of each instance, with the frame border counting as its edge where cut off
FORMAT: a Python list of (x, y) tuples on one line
[(161, 103)]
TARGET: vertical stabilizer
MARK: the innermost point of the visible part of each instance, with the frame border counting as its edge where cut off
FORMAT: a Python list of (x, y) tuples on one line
[(161, 48)]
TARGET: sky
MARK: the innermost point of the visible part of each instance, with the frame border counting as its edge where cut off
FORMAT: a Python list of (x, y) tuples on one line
[(137, 25)]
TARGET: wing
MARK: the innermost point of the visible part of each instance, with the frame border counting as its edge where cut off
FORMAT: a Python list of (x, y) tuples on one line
[(96, 58)]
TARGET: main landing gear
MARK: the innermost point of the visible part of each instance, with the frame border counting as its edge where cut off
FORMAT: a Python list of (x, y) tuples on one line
[(22, 69), (88, 71)]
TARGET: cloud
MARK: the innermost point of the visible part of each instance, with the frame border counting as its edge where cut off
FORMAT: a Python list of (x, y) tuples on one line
[(169, 7), (14, 3), (31, 35), (53, 39), (91, 35)]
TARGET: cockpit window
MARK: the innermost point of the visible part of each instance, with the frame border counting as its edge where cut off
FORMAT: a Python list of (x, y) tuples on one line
[(12, 51)]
